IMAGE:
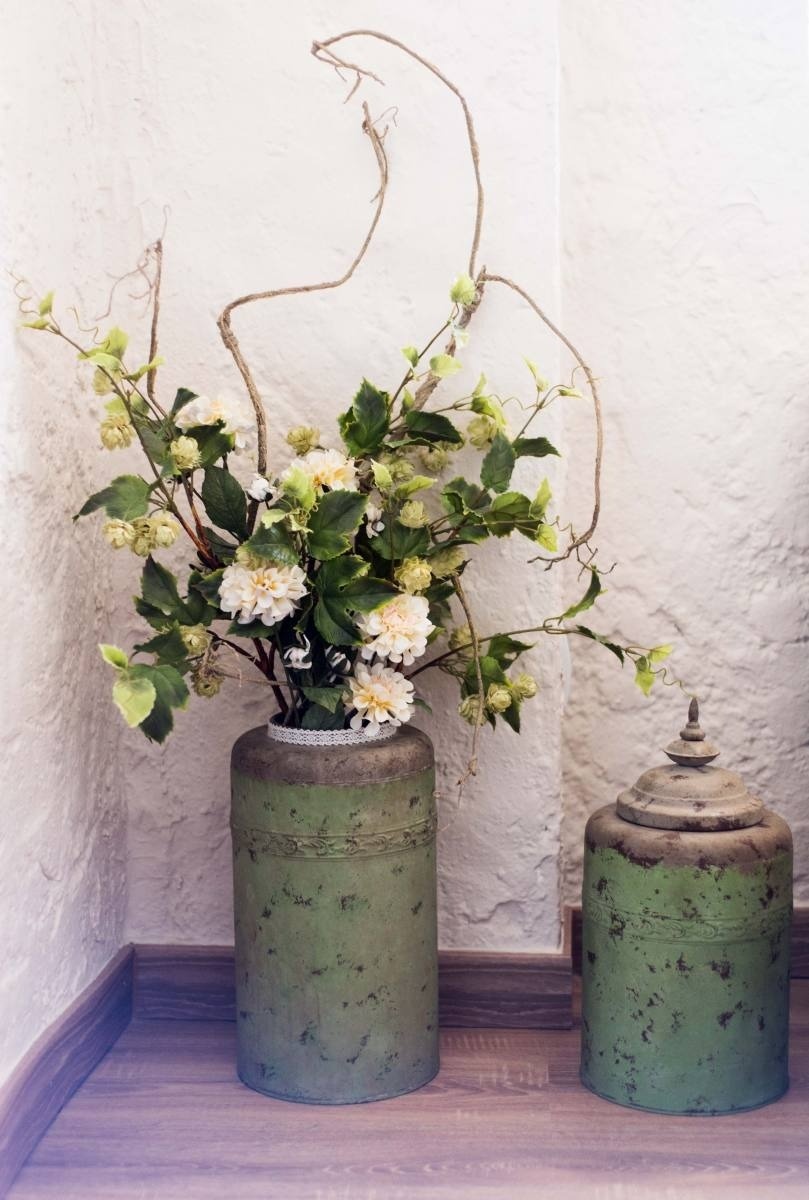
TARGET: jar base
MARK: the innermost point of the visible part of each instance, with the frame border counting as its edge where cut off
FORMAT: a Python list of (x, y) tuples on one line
[(289, 1099), (680, 1112)]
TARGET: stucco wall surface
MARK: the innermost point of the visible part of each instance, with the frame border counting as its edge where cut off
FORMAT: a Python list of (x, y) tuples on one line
[(685, 185), (62, 870)]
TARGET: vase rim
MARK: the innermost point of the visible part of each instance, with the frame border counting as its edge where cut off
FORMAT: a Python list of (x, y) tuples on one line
[(327, 737)]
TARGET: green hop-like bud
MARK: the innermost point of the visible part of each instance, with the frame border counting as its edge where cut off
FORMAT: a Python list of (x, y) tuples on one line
[(498, 698), (460, 636), (303, 438), (118, 533), (434, 458), (471, 710), (185, 452), (196, 639), (480, 431), (142, 542), (524, 686), (401, 470), (205, 682), (164, 530), (413, 515), (414, 575), (117, 432), (446, 562)]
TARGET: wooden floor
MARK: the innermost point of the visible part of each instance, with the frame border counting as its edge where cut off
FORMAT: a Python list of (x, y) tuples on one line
[(164, 1117)]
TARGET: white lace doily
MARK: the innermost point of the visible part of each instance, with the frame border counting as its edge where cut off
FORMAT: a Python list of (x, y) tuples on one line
[(328, 737)]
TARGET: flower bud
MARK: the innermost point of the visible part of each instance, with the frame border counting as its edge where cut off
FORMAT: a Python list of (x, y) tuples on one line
[(303, 438), (118, 533), (205, 682), (524, 686), (142, 542), (434, 458), (401, 470), (164, 530), (460, 636), (470, 709), (196, 639), (413, 515), (446, 562), (414, 575), (498, 698), (185, 452), (480, 431), (116, 432)]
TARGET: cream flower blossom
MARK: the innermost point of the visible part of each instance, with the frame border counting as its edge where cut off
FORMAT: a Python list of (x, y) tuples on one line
[(203, 410), (267, 594), (261, 489), (397, 630), (380, 696), (326, 468)]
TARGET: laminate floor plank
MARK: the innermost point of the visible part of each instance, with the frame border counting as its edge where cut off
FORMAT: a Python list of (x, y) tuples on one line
[(163, 1117)]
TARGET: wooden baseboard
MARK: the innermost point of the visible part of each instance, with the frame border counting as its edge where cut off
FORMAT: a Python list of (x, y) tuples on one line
[(476, 988), (60, 1060), (799, 946)]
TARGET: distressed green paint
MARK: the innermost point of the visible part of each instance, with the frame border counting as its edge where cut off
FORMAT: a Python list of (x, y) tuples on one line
[(335, 914), (685, 962)]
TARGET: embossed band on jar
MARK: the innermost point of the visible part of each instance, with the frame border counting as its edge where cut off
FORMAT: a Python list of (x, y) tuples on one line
[(656, 927), (354, 845)]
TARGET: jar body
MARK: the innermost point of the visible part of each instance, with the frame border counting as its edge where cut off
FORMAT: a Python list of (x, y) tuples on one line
[(335, 917), (685, 965)]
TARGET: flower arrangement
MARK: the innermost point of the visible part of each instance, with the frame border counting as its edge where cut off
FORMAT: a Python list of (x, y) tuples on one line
[(341, 575)]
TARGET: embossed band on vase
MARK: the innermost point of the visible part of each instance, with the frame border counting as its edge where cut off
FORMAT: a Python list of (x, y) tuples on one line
[(355, 845), (672, 929)]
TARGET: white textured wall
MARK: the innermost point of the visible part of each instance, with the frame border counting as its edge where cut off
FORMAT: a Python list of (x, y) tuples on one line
[(686, 275), (62, 869)]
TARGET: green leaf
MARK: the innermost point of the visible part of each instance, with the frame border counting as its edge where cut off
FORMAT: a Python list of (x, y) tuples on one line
[(498, 464), (364, 426), (588, 599), (444, 366), (317, 717), (46, 304), (274, 543), (37, 323), (329, 698), (207, 585), (225, 501), (659, 654), (109, 352), (542, 499), (156, 618), (542, 384), (410, 486), (382, 476), (511, 715), (343, 588), (159, 590), (134, 376), (222, 549), (212, 440), (411, 354), (183, 397), (251, 629), (171, 692), (112, 655), (431, 427), (126, 498), (546, 536), (644, 675), (463, 291), (510, 511), (613, 647), (505, 649), (536, 447), (298, 484), (337, 515), (169, 647), (397, 541), (135, 698)]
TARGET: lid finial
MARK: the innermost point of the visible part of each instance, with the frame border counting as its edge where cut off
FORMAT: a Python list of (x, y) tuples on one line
[(691, 749)]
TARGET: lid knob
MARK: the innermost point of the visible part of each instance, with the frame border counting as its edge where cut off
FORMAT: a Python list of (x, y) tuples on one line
[(691, 748)]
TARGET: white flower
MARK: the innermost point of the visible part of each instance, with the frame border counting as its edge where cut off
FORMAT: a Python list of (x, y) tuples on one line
[(373, 519), (380, 695), (326, 468), (203, 410), (398, 630), (267, 593), (261, 489), (299, 658)]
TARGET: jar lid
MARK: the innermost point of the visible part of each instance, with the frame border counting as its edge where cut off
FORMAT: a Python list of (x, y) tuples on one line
[(690, 794)]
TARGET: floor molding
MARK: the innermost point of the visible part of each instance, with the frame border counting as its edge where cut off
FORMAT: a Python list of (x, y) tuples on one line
[(476, 988), (60, 1060), (799, 945)]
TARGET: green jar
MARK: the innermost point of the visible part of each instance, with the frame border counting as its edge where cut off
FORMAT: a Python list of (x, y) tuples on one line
[(686, 911), (335, 915)]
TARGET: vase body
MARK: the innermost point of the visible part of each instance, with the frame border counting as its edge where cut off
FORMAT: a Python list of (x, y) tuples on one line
[(685, 964), (335, 917)]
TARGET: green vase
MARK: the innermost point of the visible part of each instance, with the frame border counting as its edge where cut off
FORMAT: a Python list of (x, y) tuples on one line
[(335, 915)]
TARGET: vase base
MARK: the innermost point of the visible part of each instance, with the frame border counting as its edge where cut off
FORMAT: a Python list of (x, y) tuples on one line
[(680, 1112), (301, 1099)]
